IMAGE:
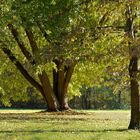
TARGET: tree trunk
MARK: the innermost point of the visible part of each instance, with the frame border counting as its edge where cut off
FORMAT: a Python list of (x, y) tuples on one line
[(119, 99), (135, 103), (133, 66), (59, 90), (61, 80), (50, 98)]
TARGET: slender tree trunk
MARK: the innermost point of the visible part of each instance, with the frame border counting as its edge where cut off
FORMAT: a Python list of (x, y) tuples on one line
[(133, 66), (119, 99), (135, 103)]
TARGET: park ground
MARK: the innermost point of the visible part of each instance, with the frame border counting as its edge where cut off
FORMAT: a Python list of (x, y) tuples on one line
[(75, 125)]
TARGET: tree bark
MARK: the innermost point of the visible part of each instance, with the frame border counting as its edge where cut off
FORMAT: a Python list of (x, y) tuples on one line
[(21, 45), (135, 103), (58, 87), (133, 68), (67, 78), (119, 99), (61, 80), (51, 101)]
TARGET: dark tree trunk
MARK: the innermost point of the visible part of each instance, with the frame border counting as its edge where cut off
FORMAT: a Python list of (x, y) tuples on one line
[(119, 99), (61, 79), (133, 67), (133, 72), (59, 90)]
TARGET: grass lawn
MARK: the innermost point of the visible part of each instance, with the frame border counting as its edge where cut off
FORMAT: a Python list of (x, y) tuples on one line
[(79, 125)]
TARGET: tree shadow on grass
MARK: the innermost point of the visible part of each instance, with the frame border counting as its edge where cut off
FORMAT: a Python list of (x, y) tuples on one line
[(63, 131)]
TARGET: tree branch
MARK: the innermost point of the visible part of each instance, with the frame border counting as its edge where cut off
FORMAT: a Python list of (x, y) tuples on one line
[(21, 44), (22, 69), (68, 75), (31, 40)]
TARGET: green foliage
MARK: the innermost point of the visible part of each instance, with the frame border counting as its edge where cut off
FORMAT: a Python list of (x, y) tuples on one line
[(64, 24), (89, 32)]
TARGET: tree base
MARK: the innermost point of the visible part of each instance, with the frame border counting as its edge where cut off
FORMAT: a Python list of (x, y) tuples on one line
[(134, 126), (65, 109), (52, 110)]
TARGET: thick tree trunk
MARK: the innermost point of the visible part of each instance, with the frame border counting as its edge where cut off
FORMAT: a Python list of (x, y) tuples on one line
[(47, 89), (62, 92), (59, 90), (135, 103), (61, 79)]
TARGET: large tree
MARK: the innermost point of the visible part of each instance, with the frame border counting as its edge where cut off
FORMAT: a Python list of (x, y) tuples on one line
[(45, 40)]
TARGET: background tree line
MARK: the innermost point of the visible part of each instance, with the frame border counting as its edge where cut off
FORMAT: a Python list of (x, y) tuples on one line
[(97, 98)]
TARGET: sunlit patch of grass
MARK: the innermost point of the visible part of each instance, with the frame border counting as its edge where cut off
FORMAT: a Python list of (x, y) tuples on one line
[(79, 125)]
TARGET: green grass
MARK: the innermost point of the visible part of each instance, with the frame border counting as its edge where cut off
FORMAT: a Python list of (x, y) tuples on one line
[(80, 125)]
